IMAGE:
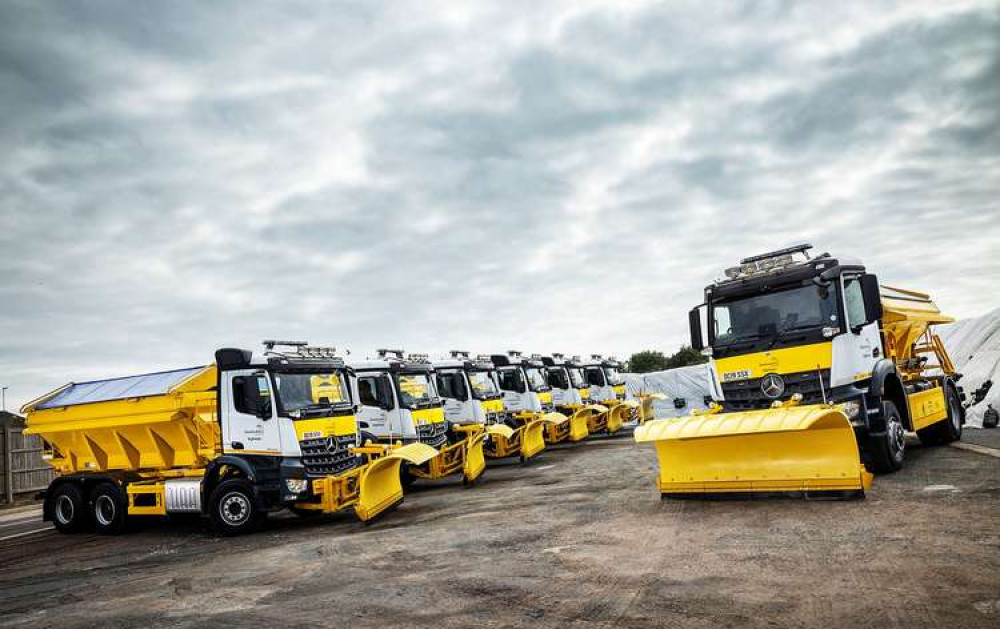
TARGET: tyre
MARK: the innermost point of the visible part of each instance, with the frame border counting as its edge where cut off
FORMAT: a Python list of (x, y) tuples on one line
[(233, 508), (888, 450), (69, 512), (949, 429), (109, 508), (406, 478)]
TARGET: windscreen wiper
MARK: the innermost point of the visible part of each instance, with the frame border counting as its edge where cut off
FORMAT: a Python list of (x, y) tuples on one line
[(783, 331)]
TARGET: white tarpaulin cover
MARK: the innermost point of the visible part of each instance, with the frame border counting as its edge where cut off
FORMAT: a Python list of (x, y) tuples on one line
[(974, 347), (687, 384)]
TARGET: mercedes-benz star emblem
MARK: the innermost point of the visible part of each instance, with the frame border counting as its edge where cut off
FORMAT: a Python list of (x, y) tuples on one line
[(772, 386), (332, 445)]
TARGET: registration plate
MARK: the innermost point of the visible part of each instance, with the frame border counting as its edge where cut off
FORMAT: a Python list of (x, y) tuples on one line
[(742, 374)]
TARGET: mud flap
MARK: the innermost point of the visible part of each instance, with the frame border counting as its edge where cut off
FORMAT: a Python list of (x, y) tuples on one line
[(797, 448), (475, 460), (379, 486)]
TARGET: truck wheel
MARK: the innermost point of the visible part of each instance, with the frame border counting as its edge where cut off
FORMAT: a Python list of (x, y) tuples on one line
[(233, 508), (888, 450), (949, 429), (109, 507), (69, 513), (406, 478)]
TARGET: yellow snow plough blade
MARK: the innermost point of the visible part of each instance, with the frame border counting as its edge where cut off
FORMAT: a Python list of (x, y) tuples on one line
[(784, 448), (532, 438), (380, 488), (579, 422), (646, 402), (618, 415), (475, 458)]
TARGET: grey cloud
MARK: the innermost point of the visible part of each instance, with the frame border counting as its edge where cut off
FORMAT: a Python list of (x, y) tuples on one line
[(180, 176)]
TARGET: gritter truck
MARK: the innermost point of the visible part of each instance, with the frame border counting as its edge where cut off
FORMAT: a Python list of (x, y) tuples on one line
[(234, 440)]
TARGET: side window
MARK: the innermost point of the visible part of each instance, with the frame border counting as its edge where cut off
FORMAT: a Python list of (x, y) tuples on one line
[(854, 301), (595, 377), (557, 379), (446, 385), (383, 392), (368, 390), (721, 321), (244, 394), (509, 379)]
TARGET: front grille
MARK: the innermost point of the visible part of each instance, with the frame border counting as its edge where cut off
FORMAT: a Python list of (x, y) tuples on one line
[(747, 394), (329, 455), (433, 434)]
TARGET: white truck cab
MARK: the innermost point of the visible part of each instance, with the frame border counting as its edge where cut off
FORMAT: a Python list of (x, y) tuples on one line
[(569, 387), (398, 400), (523, 383), (607, 386), (468, 389)]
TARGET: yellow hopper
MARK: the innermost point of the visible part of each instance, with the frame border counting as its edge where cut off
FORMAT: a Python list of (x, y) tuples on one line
[(780, 449)]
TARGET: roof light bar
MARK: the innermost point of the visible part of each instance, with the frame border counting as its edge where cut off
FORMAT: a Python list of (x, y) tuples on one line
[(780, 252), (390, 353)]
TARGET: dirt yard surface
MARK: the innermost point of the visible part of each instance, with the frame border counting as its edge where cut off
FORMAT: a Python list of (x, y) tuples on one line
[(578, 538)]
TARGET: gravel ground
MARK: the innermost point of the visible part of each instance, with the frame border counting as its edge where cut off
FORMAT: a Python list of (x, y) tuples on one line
[(579, 537)]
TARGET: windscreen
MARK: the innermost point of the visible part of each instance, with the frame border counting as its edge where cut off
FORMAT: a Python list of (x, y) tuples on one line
[(416, 389), (613, 377), (771, 314), (301, 393), (536, 379), (482, 385)]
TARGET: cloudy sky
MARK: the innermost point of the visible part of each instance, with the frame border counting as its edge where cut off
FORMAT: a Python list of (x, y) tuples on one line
[(543, 176)]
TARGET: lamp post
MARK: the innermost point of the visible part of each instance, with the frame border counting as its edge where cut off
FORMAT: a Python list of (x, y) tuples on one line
[(3, 398)]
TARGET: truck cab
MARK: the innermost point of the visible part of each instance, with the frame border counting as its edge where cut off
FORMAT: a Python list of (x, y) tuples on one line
[(399, 401), (822, 330), (469, 391), (570, 390), (606, 384), (523, 384)]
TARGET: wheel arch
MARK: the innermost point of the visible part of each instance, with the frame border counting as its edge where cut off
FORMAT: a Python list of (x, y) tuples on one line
[(888, 386), (220, 468)]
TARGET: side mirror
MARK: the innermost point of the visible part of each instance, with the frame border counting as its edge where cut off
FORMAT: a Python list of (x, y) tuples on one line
[(694, 322), (873, 298)]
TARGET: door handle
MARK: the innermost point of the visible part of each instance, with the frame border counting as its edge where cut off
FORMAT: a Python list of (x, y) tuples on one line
[(237, 445), (875, 353)]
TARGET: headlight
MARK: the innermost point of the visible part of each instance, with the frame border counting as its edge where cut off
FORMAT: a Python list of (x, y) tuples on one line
[(852, 409), (296, 485)]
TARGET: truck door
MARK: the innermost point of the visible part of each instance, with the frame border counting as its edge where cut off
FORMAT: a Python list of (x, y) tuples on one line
[(513, 387), (857, 350), (378, 406), (595, 378), (449, 389), (249, 422)]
